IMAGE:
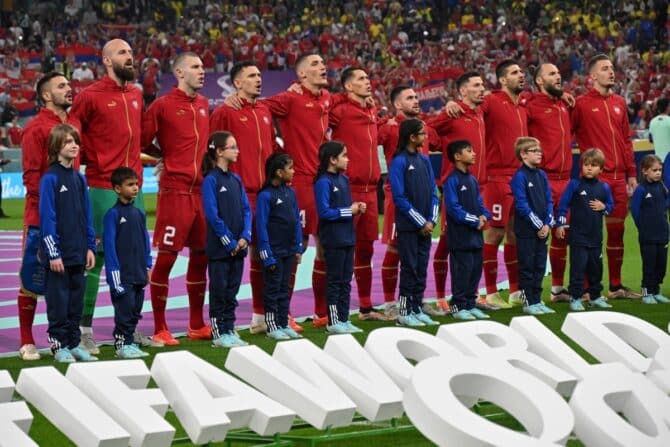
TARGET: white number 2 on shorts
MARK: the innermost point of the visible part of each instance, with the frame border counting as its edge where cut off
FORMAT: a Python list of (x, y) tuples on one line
[(496, 212), (170, 231)]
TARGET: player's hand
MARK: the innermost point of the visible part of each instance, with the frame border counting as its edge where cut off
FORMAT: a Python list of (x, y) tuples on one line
[(543, 232), (56, 265), (482, 222), (356, 208), (272, 268), (453, 109), (560, 232), (427, 229), (596, 205), (233, 101), (370, 101), (631, 184), (298, 258), (90, 259), (242, 244), (363, 207), (569, 99)]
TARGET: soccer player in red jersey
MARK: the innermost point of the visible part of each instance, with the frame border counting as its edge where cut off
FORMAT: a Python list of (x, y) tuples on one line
[(406, 104), (549, 122), (251, 125), (54, 94), (467, 126), (110, 113), (180, 123), (303, 121), (354, 122), (600, 120)]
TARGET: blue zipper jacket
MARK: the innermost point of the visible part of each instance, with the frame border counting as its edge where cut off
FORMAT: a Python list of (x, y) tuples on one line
[(649, 207), (464, 205), (66, 222), (332, 195), (227, 212), (126, 245), (586, 225), (278, 224), (532, 201), (414, 193)]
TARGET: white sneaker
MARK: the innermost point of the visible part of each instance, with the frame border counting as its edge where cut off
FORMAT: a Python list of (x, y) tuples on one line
[(88, 343), (28, 352)]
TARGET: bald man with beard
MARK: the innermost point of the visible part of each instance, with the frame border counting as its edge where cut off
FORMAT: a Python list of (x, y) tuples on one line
[(110, 113)]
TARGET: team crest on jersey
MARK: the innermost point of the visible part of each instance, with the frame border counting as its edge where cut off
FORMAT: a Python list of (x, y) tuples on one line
[(180, 112), (136, 104), (547, 110), (266, 120), (243, 118), (309, 105), (617, 110), (327, 104), (595, 109), (112, 103), (202, 112)]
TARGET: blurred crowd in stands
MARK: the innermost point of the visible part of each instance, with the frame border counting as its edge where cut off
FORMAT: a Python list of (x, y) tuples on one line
[(417, 41)]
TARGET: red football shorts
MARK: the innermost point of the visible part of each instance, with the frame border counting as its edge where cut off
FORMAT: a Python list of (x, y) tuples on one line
[(180, 221), (498, 199), (307, 206), (557, 189), (620, 196), (366, 225), (389, 234)]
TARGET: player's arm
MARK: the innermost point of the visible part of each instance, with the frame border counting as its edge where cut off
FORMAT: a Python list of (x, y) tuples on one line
[(212, 214), (147, 241), (279, 104), (150, 120), (90, 231), (48, 217), (322, 198), (518, 185), (628, 152), (246, 213), (440, 122), (636, 204), (81, 112), (112, 264), (435, 199), (402, 203), (299, 249), (454, 207), (33, 153), (262, 217)]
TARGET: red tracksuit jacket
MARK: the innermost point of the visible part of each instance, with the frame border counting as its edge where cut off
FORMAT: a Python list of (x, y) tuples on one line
[(252, 128), (181, 125), (111, 119), (602, 122), (34, 145), (303, 121), (505, 122), (549, 122), (356, 126), (469, 126)]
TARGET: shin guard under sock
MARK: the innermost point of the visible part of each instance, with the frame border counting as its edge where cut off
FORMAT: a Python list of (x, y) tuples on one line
[(159, 286), (196, 285), (490, 267), (319, 287), (512, 264)]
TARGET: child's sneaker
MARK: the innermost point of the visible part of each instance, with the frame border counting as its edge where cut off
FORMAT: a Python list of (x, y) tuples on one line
[(64, 356), (409, 321), (238, 340), (661, 298), (425, 319), (82, 355), (478, 314), (649, 299), (352, 329), (600, 303), (337, 328), (139, 351), (278, 335), (534, 309), (225, 341), (463, 315), (576, 305), (127, 352), (546, 309), (288, 330)]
